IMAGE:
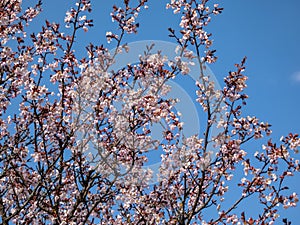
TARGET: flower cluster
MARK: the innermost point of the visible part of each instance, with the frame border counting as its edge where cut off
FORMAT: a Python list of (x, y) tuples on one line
[(75, 134), (126, 18), (12, 20), (195, 17), (77, 20)]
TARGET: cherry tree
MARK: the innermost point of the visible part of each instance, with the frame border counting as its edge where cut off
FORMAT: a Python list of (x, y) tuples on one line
[(75, 133)]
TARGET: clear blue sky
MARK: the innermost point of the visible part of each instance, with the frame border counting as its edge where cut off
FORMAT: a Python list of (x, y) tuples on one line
[(266, 31)]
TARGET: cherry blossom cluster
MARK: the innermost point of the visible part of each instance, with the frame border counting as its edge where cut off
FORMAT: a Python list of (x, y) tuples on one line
[(126, 18), (73, 17), (116, 118), (75, 134), (13, 20), (195, 17)]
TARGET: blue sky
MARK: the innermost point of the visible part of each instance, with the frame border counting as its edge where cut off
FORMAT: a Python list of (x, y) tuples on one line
[(266, 31)]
